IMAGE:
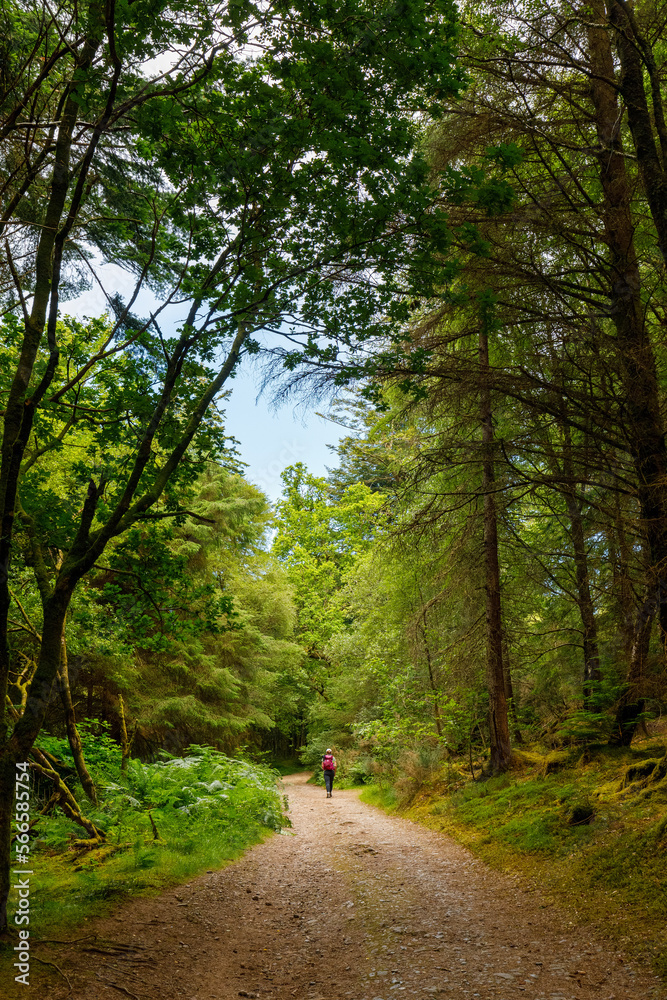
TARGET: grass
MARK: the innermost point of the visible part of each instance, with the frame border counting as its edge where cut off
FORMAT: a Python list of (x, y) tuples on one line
[(382, 796), (568, 828)]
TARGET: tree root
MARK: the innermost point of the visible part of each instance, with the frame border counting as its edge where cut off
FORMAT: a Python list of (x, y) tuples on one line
[(90, 844), (86, 937), (58, 969), (645, 778), (115, 948), (121, 989)]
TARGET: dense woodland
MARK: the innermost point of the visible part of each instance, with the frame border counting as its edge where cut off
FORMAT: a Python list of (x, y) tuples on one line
[(448, 226)]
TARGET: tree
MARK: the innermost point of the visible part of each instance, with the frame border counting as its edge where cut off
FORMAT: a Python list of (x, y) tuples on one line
[(204, 618), (241, 164), (499, 736), (559, 224), (319, 538), (576, 172), (574, 267)]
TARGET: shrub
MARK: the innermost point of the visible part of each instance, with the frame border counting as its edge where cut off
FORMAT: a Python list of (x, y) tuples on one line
[(204, 786)]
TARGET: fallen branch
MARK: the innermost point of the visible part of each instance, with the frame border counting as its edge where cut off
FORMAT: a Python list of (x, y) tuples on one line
[(66, 800)]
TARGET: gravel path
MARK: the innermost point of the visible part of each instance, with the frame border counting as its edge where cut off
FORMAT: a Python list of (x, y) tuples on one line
[(350, 903)]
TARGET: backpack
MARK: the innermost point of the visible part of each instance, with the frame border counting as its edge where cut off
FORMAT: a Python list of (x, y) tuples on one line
[(328, 762)]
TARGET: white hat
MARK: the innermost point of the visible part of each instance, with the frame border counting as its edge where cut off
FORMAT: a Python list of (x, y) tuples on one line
[(329, 750)]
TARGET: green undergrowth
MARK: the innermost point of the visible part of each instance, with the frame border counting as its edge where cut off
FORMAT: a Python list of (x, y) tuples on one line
[(582, 829), (382, 796), (206, 809), (349, 774)]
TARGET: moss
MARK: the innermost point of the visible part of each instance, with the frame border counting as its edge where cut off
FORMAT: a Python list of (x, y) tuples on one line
[(578, 813), (522, 759), (638, 771), (556, 761)]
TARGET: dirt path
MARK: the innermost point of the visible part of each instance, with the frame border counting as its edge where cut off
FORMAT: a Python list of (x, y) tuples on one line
[(349, 904)]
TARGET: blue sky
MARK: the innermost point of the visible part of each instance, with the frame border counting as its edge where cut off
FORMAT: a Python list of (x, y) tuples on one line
[(271, 439)]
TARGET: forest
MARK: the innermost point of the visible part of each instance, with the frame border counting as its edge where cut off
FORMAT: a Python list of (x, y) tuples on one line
[(445, 226)]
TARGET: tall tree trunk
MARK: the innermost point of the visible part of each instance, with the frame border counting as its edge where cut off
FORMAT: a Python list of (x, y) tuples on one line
[(73, 736), (19, 408), (423, 628), (7, 786), (509, 694), (645, 431), (501, 750), (621, 562), (647, 125), (586, 609), (631, 703), (646, 440), (18, 745), (19, 405)]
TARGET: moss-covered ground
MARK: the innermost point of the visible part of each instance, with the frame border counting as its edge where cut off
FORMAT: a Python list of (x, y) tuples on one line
[(573, 829)]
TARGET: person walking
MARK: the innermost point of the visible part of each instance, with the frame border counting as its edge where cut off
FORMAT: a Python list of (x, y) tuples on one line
[(329, 767)]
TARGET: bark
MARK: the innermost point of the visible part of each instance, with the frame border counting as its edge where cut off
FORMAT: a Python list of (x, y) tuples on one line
[(646, 440), (500, 747), (637, 60), (509, 695), (24, 680), (73, 736), (621, 561), (584, 600), (19, 744), (65, 799), (7, 786), (631, 703)]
